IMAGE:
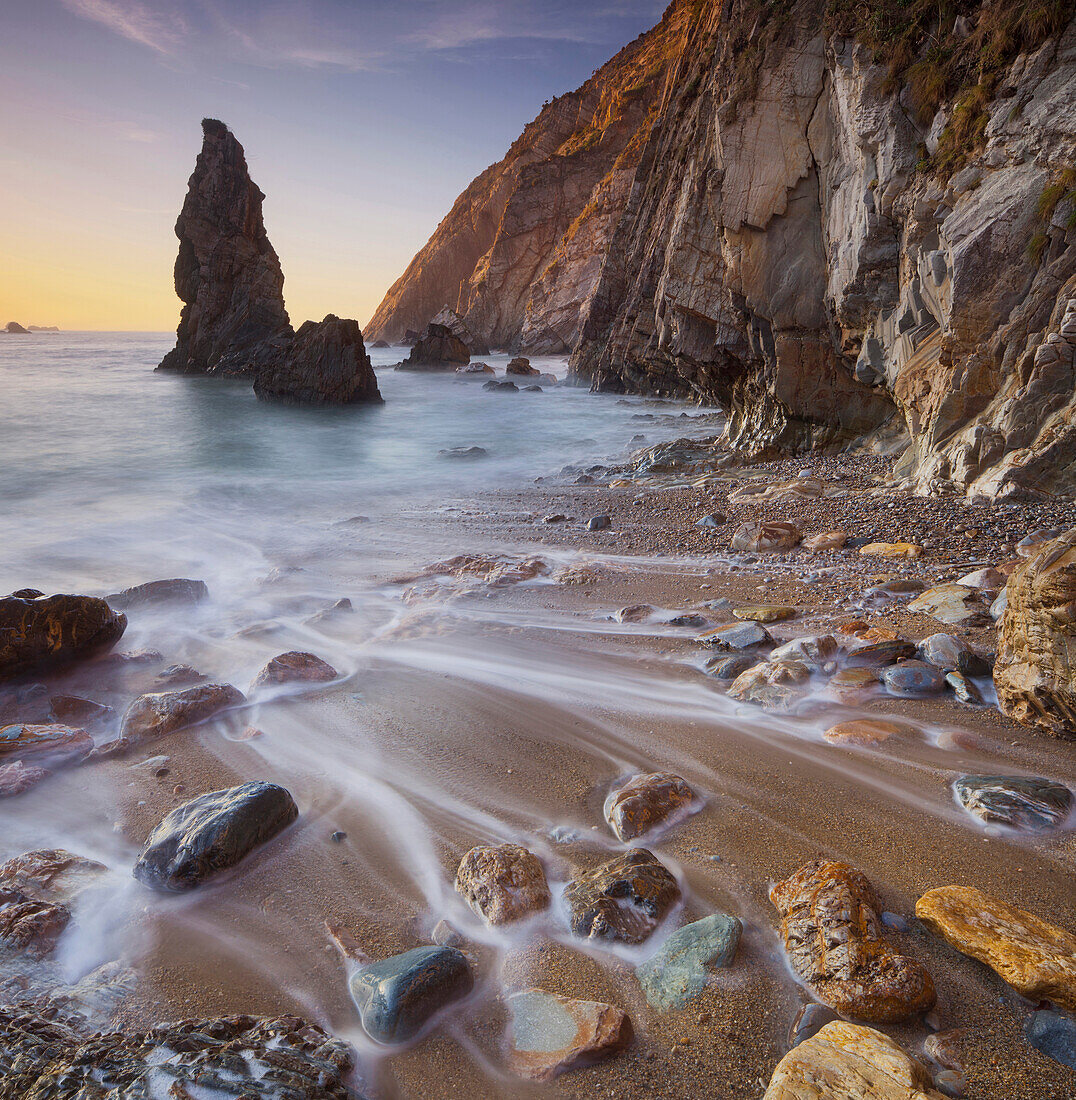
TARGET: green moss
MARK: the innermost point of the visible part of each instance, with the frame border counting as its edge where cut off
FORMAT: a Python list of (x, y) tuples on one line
[(1036, 247)]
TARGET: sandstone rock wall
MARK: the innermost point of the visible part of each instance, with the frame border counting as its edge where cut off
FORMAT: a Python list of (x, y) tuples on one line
[(791, 234)]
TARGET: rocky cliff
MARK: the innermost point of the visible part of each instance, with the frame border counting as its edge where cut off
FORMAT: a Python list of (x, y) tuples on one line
[(523, 245), (229, 279), (836, 222)]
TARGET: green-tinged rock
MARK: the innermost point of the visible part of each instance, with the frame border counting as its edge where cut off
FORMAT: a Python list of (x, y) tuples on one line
[(677, 973)]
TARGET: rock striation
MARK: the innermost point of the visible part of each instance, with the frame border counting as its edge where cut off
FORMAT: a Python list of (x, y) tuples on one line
[(228, 276), (830, 235), (1035, 672)]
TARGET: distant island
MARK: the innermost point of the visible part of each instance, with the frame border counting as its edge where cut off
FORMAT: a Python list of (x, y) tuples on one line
[(16, 329)]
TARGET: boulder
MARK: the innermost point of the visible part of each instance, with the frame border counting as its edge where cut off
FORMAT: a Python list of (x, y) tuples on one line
[(1036, 958), (521, 366), (817, 651), (13, 328), (760, 538), (51, 743), (772, 685), (49, 632), (636, 613), (852, 684), (26, 703), (550, 1034), (161, 713), (294, 667), (459, 328), (227, 274), (913, 678), (892, 550), (177, 590), (808, 1022), (437, 349), (213, 833), (29, 925), (503, 884), (647, 803), (1016, 801), (833, 937), (763, 613), (624, 899), (1035, 672), (463, 452), (324, 363), (1053, 1034), (17, 777), (880, 654), (398, 996), (676, 974), (381, 344), (494, 386), (748, 635), (847, 1062), (952, 654), (825, 540)]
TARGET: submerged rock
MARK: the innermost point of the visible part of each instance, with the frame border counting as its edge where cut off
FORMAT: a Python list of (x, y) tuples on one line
[(624, 899), (463, 452), (913, 678), (550, 1034), (17, 777), (294, 667), (772, 685), (847, 1062), (176, 590), (747, 635), (646, 803), (1035, 673), (398, 996), (1016, 801), (728, 668), (833, 937), (677, 973), (48, 632), (863, 731), (324, 363), (1036, 958), (521, 365), (271, 1058), (503, 883), (161, 713), (817, 651), (212, 833)]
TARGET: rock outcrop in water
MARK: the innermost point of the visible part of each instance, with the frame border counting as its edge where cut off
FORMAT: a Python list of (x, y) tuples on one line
[(229, 278), (46, 632), (827, 233)]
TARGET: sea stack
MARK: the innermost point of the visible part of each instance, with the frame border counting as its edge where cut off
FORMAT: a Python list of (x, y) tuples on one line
[(229, 278), (227, 273)]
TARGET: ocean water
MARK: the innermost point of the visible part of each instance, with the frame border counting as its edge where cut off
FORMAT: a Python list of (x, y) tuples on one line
[(111, 474)]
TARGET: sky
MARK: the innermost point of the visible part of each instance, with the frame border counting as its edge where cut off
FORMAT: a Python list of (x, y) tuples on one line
[(361, 120)]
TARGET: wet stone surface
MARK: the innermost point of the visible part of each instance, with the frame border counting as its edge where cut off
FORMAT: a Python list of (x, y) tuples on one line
[(624, 899), (676, 974), (397, 996), (1018, 802)]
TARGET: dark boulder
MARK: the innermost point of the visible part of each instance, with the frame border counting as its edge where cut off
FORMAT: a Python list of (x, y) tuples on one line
[(459, 328), (52, 631), (437, 349), (294, 667), (164, 712), (174, 590), (212, 833), (15, 329), (397, 996), (323, 364), (500, 387), (381, 344), (522, 366)]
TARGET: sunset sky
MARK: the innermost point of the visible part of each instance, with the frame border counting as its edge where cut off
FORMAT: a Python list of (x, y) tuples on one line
[(361, 121)]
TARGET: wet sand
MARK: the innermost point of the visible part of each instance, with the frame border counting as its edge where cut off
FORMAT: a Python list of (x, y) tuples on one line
[(486, 714)]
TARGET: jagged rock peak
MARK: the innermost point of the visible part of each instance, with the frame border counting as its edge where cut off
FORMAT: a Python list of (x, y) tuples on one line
[(227, 274), (229, 278)]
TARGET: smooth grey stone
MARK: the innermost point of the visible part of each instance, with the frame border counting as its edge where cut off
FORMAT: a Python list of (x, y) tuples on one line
[(212, 833), (1054, 1034), (952, 654), (739, 636), (397, 996), (809, 1021), (1017, 801), (676, 974), (964, 689), (913, 678), (728, 668), (598, 523)]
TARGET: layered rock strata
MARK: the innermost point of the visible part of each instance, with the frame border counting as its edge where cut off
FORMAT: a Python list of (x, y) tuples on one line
[(829, 242)]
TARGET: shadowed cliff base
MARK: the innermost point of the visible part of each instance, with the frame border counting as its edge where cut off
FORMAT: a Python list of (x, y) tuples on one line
[(228, 276), (832, 221)]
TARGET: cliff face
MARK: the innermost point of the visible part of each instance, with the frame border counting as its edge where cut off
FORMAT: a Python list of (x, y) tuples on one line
[(831, 226), (523, 245), (808, 249)]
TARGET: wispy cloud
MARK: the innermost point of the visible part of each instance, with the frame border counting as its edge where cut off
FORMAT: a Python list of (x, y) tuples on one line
[(161, 31)]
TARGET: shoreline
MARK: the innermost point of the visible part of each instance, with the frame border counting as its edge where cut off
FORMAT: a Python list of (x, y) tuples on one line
[(483, 713)]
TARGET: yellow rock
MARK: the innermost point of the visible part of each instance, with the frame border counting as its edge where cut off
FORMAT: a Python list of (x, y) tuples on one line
[(763, 613), (1036, 958), (849, 1062), (892, 550), (863, 731)]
